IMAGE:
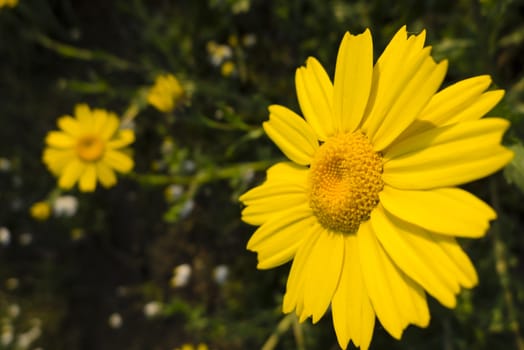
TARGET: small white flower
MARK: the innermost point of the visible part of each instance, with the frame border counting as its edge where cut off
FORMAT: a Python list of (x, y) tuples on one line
[(240, 6), (152, 309), (5, 236), (12, 283), (115, 320), (173, 192), (7, 334), (5, 164), (65, 206), (249, 40), (220, 274), (25, 238), (13, 310), (218, 53), (181, 275), (187, 208)]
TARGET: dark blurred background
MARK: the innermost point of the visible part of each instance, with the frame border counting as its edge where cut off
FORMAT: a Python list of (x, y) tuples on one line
[(159, 260)]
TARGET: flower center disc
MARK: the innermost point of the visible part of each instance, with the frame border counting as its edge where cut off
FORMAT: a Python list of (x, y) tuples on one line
[(90, 148), (345, 180)]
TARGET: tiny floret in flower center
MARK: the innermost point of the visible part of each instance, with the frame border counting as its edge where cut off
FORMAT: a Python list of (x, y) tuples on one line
[(345, 180), (90, 148)]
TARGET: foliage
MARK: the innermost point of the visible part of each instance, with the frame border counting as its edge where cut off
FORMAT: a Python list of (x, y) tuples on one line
[(78, 273)]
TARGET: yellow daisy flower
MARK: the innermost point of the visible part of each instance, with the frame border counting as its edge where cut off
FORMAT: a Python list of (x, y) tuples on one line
[(40, 210), (8, 3), (367, 206), (90, 147), (166, 94)]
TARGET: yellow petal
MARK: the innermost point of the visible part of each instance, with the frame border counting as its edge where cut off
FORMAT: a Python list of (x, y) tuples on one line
[(280, 247), (322, 273), (287, 172), (292, 134), (69, 125), (88, 179), (462, 101), (468, 275), (60, 139), (110, 126), (118, 161), (123, 138), (447, 156), (105, 174), (71, 173), (294, 296), (57, 159), (415, 252), (83, 115), (390, 77), (99, 121), (265, 201), (419, 87), (352, 82), (277, 240), (449, 211), (315, 96), (396, 299), (353, 316)]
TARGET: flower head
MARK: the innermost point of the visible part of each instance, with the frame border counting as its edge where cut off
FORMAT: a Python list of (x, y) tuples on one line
[(90, 147), (166, 94), (367, 206), (40, 210), (8, 3)]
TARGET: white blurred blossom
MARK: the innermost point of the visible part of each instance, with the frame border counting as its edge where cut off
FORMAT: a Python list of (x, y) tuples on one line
[(12, 283), (173, 192), (5, 236), (25, 238), (152, 309), (218, 53), (24, 340), (13, 310), (181, 275), (115, 320), (65, 206), (249, 40), (5, 164), (187, 208), (220, 274), (7, 334)]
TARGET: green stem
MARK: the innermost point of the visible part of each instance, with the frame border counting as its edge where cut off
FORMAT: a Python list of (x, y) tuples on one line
[(501, 266), (298, 333), (204, 175), (130, 114), (81, 54), (282, 327)]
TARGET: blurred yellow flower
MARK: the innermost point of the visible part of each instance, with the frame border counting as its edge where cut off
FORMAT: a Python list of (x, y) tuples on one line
[(227, 69), (368, 207), (8, 3), (166, 93), (200, 346), (90, 147), (40, 211)]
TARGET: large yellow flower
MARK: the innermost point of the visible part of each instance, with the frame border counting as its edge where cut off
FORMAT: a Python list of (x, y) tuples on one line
[(88, 148), (367, 207)]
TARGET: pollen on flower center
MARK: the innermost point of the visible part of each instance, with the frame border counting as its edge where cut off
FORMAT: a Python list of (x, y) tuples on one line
[(345, 180), (90, 148)]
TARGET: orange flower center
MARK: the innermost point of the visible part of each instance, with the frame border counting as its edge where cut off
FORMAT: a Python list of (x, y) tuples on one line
[(90, 148), (345, 180)]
